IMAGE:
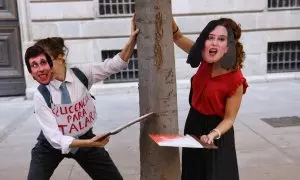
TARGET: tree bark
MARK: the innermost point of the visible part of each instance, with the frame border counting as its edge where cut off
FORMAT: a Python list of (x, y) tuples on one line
[(157, 88)]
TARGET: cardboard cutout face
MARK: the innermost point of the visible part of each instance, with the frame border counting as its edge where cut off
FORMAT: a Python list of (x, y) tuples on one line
[(40, 69), (229, 59), (216, 45)]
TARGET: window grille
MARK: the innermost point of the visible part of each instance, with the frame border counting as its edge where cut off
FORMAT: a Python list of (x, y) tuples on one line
[(116, 7), (130, 74), (283, 4), (283, 57)]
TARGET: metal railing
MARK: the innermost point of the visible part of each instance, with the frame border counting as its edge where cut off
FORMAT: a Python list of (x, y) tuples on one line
[(283, 4), (283, 57), (116, 7), (129, 74)]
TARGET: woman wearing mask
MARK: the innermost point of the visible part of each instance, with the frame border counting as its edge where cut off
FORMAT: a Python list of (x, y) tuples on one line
[(215, 98)]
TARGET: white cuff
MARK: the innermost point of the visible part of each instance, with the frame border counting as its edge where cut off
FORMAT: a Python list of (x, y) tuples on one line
[(65, 144), (120, 61)]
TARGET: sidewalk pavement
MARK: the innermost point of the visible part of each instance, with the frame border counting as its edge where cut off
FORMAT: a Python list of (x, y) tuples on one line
[(264, 152)]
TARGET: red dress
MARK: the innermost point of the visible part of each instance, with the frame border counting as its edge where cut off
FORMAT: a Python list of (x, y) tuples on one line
[(208, 100)]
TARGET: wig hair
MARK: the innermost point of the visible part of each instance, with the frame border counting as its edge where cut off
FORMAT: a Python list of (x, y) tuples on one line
[(35, 51), (195, 54)]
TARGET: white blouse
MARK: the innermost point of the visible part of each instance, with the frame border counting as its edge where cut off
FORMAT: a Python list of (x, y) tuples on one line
[(95, 72)]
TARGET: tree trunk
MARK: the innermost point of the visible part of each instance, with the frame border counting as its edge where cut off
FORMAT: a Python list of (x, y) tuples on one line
[(157, 88)]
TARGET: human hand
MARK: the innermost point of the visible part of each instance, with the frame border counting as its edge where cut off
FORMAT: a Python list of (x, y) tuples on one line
[(134, 30), (209, 139), (174, 26), (176, 31), (98, 141)]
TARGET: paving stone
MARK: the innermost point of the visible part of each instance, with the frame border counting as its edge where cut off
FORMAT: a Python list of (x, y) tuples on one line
[(270, 173), (263, 152), (263, 157)]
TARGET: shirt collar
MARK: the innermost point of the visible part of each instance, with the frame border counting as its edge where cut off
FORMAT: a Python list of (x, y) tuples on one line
[(69, 79)]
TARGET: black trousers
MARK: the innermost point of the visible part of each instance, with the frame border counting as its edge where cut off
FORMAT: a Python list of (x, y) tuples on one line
[(95, 161), (209, 164)]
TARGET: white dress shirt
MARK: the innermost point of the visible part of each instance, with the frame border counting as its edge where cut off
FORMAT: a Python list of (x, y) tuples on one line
[(95, 72)]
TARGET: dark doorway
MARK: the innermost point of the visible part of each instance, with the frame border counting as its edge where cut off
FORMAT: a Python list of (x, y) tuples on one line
[(12, 80)]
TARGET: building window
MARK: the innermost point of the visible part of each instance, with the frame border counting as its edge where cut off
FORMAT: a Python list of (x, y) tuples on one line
[(130, 74), (283, 57), (116, 7), (283, 4)]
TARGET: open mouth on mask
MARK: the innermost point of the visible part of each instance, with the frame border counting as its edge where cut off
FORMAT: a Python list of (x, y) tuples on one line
[(43, 76), (213, 51)]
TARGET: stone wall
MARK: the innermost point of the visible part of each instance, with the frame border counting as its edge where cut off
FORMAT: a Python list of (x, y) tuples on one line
[(87, 34)]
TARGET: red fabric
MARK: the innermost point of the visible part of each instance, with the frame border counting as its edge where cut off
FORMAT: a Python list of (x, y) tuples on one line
[(210, 94)]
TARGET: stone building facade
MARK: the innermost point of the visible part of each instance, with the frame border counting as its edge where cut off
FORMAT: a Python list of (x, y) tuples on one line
[(95, 29)]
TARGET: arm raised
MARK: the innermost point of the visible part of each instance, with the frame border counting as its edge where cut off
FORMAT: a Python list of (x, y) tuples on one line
[(180, 40)]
